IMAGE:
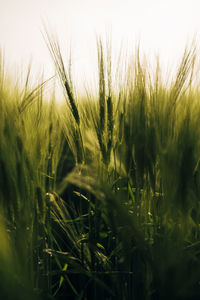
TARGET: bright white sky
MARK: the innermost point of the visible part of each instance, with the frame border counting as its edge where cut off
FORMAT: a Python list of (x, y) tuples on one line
[(162, 26)]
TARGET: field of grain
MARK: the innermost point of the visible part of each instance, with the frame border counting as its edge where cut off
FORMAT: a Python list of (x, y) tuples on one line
[(100, 197)]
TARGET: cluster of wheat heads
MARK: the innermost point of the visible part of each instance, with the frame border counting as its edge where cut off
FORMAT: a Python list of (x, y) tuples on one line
[(100, 197)]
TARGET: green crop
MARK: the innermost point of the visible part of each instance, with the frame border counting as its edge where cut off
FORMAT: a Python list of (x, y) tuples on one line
[(100, 196)]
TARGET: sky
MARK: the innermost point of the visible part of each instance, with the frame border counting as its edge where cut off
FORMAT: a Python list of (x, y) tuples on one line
[(162, 26)]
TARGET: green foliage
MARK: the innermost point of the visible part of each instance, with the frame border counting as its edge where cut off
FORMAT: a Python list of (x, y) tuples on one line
[(100, 197)]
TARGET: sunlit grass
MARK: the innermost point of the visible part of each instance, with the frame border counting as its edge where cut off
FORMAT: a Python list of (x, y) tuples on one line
[(100, 197)]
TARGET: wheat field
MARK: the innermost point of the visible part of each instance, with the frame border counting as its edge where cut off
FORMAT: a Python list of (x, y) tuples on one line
[(100, 197)]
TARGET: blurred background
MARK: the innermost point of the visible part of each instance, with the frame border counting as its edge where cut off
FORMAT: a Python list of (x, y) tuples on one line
[(160, 26)]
